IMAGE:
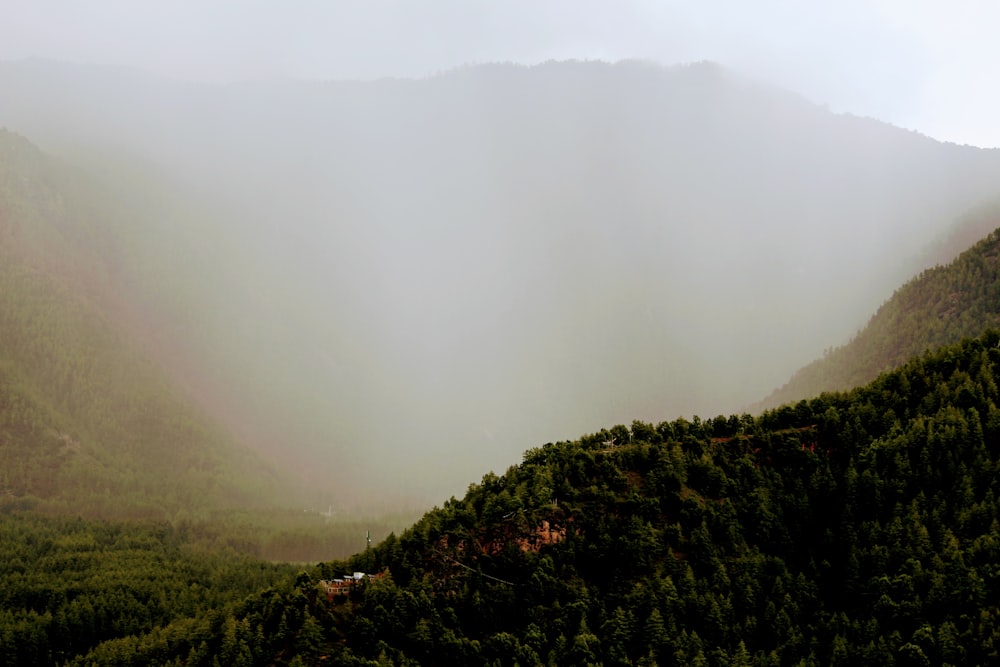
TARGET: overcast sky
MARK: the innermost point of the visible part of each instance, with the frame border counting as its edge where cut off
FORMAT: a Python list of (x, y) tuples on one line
[(922, 64)]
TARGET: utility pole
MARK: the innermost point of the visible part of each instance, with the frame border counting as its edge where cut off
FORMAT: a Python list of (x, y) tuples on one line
[(368, 551)]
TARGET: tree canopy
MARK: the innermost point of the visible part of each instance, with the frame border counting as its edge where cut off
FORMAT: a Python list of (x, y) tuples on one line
[(853, 528)]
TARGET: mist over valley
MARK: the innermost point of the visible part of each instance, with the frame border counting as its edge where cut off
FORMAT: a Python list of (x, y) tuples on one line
[(394, 285), (499, 334)]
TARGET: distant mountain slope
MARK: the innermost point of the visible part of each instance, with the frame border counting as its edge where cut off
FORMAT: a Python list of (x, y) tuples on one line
[(88, 424), (401, 281), (940, 306), (856, 528)]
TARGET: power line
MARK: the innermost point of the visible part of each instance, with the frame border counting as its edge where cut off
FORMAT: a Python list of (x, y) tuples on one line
[(482, 574)]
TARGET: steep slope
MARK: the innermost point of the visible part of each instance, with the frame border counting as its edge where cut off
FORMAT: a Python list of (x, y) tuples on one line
[(401, 280), (88, 424), (940, 306), (855, 528)]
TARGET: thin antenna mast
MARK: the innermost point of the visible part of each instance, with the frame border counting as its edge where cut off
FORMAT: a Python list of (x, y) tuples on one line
[(368, 550)]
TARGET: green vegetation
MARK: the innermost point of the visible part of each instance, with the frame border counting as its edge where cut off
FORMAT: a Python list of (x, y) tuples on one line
[(67, 584), (854, 528), (941, 306), (295, 535), (88, 424)]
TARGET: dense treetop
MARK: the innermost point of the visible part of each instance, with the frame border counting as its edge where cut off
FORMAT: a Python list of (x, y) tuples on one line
[(853, 528), (66, 585)]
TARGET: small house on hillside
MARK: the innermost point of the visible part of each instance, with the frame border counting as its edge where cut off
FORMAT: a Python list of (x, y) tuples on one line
[(343, 586)]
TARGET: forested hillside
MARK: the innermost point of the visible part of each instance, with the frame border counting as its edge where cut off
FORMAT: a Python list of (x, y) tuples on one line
[(853, 528), (400, 282), (942, 305), (88, 423)]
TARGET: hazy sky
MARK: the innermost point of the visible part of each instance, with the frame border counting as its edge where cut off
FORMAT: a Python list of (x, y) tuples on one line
[(922, 64)]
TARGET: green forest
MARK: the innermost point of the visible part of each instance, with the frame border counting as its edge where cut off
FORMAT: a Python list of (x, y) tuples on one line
[(140, 526), (69, 584), (854, 528), (88, 422)]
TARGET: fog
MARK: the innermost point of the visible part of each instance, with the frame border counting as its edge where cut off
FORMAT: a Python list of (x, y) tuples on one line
[(396, 286), (919, 65)]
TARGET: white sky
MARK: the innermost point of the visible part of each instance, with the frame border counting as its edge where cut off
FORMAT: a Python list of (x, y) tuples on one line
[(928, 65)]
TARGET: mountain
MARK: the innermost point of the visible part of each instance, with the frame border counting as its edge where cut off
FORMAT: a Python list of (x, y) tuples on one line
[(394, 284), (389, 283), (89, 425), (940, 306), (852, 528)]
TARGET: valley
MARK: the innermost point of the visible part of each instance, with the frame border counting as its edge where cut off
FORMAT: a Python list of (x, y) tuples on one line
[(250, 333), (487, 258)]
